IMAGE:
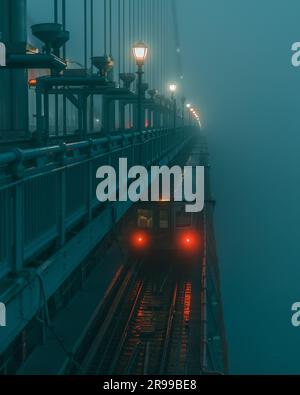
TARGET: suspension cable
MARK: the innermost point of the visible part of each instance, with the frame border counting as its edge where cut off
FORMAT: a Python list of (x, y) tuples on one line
[(119, 40), (92, 32), (85, 34), (110, 28), (55, 11), (124, 39), (64, 24), (177, 38), (105, 27)]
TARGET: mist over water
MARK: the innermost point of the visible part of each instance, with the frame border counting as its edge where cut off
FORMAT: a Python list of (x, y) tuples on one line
[(238, 69)]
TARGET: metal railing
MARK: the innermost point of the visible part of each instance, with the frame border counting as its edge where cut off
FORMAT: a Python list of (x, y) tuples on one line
[(47, 193)]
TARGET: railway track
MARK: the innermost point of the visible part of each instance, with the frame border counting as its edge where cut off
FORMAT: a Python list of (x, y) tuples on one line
[(145, 330)]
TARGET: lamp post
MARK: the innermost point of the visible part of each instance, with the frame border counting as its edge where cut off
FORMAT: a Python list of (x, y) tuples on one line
[(173, 89), (140, 51), (188, 106), (183, 100)]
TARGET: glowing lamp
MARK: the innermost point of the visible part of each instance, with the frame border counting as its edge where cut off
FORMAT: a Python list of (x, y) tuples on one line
[(32, 83), (173, 88), (140, 51)]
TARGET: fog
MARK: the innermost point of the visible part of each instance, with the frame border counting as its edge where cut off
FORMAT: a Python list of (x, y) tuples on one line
[(238, 72), (238, 69)]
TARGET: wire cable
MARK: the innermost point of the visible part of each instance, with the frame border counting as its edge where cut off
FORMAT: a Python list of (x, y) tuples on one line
[(105, 27), (110, 28)]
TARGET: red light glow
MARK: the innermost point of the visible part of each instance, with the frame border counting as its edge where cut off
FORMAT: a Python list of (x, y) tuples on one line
[(188, 241), (140, 240)]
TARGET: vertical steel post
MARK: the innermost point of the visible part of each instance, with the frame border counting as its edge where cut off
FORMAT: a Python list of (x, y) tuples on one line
[(62, 207), (55, 11), (84, 115), (46, 117), (39, 116), (174, 110), (204, 340), (64, 56), (183, 100), (14, 89), (139, 106), (122, 115), (19, 227), (90, 193), (91, 121), (85, 34), (56, 95), (106, 121)]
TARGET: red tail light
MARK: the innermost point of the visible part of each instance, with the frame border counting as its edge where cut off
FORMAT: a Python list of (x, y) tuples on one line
[(140, 240), (188, 241)]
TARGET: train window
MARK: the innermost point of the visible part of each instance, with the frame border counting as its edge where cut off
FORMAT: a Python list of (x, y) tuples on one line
[(183, 219), (163, 219), (145, 219)]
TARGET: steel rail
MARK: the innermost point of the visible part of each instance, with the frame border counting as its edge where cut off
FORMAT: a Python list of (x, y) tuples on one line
[(204, 338), (166, 346), (127, 328), (102, 334)]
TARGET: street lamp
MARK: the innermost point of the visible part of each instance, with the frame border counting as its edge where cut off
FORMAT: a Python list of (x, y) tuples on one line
[(188, 106), (140, 52), (173, 89)]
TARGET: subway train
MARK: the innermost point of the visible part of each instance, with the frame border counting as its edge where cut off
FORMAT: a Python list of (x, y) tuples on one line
[(166, 226)]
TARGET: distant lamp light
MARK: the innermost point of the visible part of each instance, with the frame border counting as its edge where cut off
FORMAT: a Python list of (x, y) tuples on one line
[(188, 105), (140, 52), (32, 83), (173, 88)]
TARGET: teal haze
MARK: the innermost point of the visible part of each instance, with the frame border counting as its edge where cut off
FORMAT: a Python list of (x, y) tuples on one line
[(237, 64), (237, 59)]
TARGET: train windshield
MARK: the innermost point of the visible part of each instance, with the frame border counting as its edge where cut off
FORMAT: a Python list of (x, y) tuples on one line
[(163, 219), (183, 219), (145, 219)]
